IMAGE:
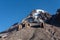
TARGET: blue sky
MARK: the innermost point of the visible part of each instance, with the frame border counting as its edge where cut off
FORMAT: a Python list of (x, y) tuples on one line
[(12, 11)]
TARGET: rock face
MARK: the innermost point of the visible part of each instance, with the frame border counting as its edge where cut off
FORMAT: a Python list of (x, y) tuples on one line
[(58, 15), (43, 27)]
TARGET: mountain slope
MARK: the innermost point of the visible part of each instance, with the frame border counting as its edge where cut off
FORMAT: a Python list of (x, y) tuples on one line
[(39, 25)]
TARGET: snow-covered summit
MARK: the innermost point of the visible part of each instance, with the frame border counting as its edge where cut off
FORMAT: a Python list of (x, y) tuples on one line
[(40, 10)]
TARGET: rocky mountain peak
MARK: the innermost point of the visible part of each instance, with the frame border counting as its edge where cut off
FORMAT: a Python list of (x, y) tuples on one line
[(38, 25)]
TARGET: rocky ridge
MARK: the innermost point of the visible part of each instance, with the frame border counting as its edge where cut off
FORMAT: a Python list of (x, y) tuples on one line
[(39, 25)]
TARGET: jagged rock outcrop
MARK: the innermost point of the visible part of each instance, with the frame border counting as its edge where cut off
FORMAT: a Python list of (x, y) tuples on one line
[(39, 25)]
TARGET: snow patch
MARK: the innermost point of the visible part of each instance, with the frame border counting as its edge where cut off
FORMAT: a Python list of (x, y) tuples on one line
[(40, 10)]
